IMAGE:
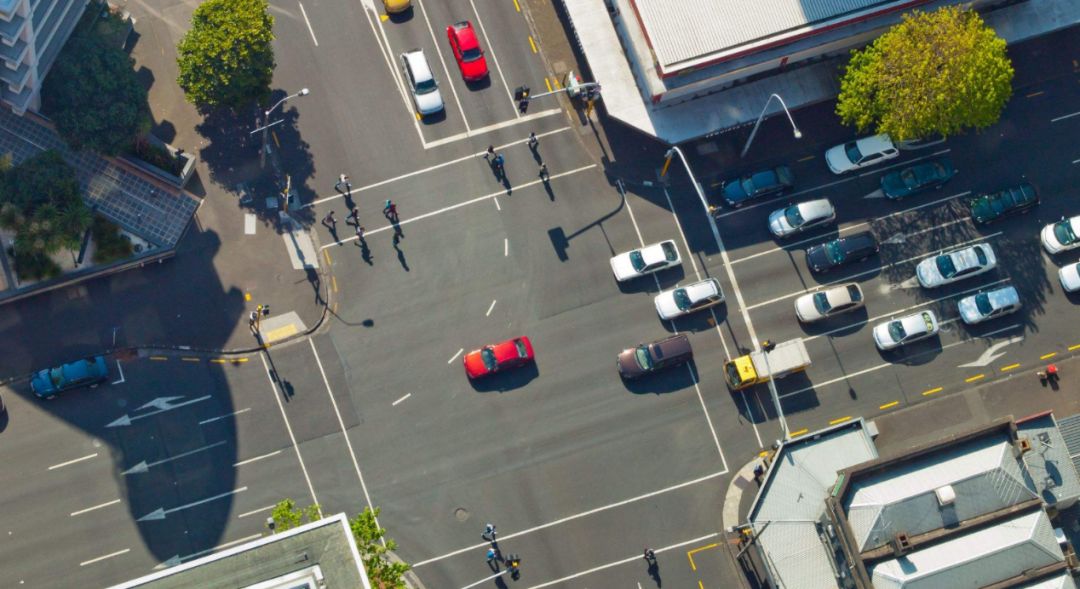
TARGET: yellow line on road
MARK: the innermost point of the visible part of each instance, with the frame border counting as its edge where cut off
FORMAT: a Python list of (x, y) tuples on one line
[(556, 82), (517, 6), (1076, 347), (1047, 356), (326, 254), (241, 360), (1034, 94), (1010, 367), (840, 420), (975, 378), (218, 360), (700, 585), (547, 82), (333, 279), (158, 358), (889, 405), (807, 158), (189, 359), (799, 433), (690, 554), (532, 44), (932, 391)]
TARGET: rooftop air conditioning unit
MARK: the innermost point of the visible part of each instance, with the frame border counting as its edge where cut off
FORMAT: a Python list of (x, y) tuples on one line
[(945, 495)]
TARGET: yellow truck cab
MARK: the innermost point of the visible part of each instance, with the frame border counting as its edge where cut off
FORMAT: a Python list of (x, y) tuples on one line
[(754, 368)]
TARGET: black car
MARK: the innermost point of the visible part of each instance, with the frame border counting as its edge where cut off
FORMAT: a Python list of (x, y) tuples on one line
[(845, 250), (987, 208), (764, 183)]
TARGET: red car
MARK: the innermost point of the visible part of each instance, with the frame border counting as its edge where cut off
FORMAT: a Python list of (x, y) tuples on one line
[(467, 52), (498, 357)]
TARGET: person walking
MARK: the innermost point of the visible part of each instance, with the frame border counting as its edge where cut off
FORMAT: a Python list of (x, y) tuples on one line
[(390, 210), (498, 162), (359, 233), (489, 533), (533, 141), (342, 180), (650, 556), (493, 558), (329, 221), (544, 173), (490, 153), (354, 217)]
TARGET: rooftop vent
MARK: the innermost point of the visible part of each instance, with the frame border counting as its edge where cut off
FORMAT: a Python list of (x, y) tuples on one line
[(901, 545), (945, 495)]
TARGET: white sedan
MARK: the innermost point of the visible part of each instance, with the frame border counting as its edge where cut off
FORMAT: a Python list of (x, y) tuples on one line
[(1070, 277), (1061, 236), (649, 259), (823, 304), (979, 307), (949, 267), (800, 217), (910, 328), (687, 299), (860, 153)]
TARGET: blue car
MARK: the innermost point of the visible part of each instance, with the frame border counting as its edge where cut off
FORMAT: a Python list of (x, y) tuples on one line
[(918, 178), (737, 192), (81, 373)]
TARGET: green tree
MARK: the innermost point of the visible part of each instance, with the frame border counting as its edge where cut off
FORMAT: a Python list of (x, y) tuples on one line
[(226, 59), (373, 546), (934, 73), (287, 515), (94, 97)]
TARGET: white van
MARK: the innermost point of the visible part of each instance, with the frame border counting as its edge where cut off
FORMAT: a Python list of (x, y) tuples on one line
[(422, 84)]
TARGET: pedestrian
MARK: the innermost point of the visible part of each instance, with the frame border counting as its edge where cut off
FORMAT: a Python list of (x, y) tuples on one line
[(390, 210), (498, 161), (359, 232), (544, 172), (355, 216), (490, 153), (650, 556), (533, 141), (330, 221), (489, 532), (253, 320), (342, 180)]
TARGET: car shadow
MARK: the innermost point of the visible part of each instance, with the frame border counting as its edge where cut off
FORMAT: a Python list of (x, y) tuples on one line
[(675, 378), (915, 354), (478, 85), (839, 325), (401, 17), (434, 118), (697, 321), (506, 381), (668, 279)]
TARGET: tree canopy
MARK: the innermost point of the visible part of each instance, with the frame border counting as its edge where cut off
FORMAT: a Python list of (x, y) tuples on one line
[(226, 59), (94, 97), (934, 73)]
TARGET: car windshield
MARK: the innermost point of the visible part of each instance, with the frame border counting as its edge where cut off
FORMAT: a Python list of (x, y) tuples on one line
[(669, 251), (834, 252), (854, 292), (747, 185), (471, 54), (682, 300), (821, 303), (425, 86), (946, 266), (1064, 233), (732, 374), (980, 255), (896, 331), (928, 322), (488, 356), (56, 375), (522, 351), (853, 153), (982, 303), (641, 354), (793, 216), (637, 260), (909, 179)]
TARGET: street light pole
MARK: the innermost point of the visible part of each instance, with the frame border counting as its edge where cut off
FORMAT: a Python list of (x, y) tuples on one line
[(795, 129), (266, 122), (697, 187)]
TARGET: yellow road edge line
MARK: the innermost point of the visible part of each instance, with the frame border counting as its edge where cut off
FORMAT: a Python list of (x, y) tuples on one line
[(1010, 367), (840, 420), (696, 550), (158, 358), (333, 279), (532, 44), (933, 390), (517, 6), (799, 433), (700, 585), (1034, 94), (547, 82), (1047, 356), (218, 360), (975, 378), (326, 254), (189, 359), (1076, 347), (235, 360), (888, 405), (807, 158), (556, 82)]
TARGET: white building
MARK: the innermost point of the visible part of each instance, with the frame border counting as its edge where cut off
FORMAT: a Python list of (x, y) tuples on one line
[(32, 32)]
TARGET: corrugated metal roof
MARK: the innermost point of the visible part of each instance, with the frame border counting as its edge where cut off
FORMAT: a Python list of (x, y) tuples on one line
[(681, 31), (976, 559), (1049, 461), (984, 474), (1070, 431), (796, 554)]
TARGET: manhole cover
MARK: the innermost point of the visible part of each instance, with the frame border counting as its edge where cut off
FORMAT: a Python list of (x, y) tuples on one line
[(461, 514)]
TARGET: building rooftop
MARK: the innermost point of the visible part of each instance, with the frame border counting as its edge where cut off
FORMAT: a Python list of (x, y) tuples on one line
[(1062, 580), (312, 556), (1050, 459)]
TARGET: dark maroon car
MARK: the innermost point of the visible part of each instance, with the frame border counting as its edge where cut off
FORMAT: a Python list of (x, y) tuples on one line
[(648, 358)]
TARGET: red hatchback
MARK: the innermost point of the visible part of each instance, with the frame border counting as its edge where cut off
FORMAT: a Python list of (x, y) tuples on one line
[(467, 52), (498, 357)]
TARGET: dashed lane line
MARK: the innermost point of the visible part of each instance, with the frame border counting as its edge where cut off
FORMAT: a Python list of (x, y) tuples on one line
[(1047, 356), (889, 405), (933, 391), (798, 433), (840, 420), (75, 461), (1010, 367), (94, 508), (101, 558), (971, 379)]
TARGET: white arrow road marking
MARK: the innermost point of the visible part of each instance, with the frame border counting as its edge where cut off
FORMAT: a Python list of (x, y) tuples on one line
[(912, 282), (876, 194), (126, 419), (160, 403), (118, 368), (990, 354), (144, 466), (898, 238), (161, 512)]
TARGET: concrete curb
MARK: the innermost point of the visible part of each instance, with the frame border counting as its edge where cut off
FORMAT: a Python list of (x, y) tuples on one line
[(740, 483)]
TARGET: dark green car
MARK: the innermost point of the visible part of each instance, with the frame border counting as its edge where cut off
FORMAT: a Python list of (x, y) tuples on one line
[(987, 208), (915, 179)]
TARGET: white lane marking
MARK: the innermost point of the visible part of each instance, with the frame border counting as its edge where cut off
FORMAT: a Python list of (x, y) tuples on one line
[(794, 244), (750, 419), (488, 314), (708, 419), (341, 424), (257, 458), (576, 516), (89, 509), (101, 558), (880, 366), (491, 51), (492, 127), (310, 30), (506, 247), (904, 310), (70, 462), (254, 511), (218, 547), (498, 207), (1063, 117), (455, 357), (463, 204), (395, 403), (277, 397), (1076, 161), (616, 563), (121, 371), (864, 273), (446, 70), (226, 416), (428, 169)]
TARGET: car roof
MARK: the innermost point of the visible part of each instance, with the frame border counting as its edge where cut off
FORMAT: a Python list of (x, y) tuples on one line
[(838, 295), (418, 64), (860, 239), (676, 345), (875, 143), (655, 252), (815, 208), (914, 323), (702, 289), (966, 257), (465, 33), (1003, 297)]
